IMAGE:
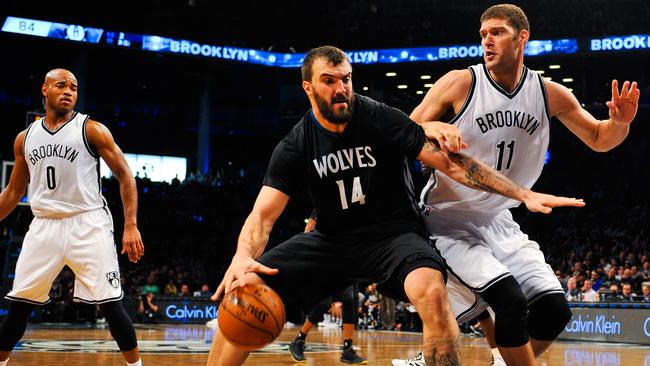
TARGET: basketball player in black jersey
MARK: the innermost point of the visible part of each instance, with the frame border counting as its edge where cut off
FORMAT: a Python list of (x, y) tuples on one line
[(351, 153)]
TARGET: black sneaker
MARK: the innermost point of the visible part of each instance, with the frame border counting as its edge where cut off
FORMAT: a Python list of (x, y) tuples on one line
[(297, 349), (350, 356)]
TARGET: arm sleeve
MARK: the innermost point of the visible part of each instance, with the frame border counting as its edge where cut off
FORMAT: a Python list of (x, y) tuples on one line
[(284, 172), (398, 130)]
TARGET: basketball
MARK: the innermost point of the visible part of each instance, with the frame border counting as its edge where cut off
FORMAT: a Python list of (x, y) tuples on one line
[(251, 316)]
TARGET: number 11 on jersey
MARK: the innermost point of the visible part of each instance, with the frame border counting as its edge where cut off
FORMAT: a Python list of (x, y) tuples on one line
[(357, 193)]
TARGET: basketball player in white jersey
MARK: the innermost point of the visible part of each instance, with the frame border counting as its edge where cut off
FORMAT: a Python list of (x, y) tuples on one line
[(503, 111), (59, 157)]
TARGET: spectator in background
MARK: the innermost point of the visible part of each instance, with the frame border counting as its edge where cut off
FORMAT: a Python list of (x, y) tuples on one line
[(596, 280), (611, 278), (636, 278), (185, 291), (170, 288), (151, 285), (645, 288), (203, 292), (387, 309), (627, 293), (646, 270), (614, 294), (148, 312), (587, 292), (572, 292)]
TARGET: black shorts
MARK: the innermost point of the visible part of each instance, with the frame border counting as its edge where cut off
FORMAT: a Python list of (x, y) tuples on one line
[(312, 266)]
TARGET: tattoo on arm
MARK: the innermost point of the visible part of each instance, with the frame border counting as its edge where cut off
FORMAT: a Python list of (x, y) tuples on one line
[(430, 146), (481, 177)]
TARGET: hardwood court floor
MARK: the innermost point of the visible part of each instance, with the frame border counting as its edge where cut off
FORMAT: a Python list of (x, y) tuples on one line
[(181, 345)]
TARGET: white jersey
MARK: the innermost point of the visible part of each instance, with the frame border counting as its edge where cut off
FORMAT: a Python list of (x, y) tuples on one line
[(507, 131), (63, 169)]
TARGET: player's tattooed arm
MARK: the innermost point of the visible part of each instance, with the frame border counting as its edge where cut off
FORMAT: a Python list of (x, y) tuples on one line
[(482, 177), (431, 146), (474, 174)]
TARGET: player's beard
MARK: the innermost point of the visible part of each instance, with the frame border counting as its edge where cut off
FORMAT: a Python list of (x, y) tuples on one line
[(337, 116)]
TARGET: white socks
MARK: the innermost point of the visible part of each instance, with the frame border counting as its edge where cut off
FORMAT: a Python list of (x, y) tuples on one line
[(495, 353), (137, 363)]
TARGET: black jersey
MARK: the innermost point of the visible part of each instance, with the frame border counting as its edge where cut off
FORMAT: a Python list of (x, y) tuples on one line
[(359, 181)]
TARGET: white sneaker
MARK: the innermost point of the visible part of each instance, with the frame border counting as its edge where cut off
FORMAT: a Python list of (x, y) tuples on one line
[(418, 360), (498, 361)]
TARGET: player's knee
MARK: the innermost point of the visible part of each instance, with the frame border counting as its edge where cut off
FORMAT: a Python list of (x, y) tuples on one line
[(433, 296), (425, 284), (119, 325), (548, 317), (510, 307)]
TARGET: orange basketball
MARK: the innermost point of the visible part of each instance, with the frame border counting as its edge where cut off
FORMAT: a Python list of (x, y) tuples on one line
[(251, 316)]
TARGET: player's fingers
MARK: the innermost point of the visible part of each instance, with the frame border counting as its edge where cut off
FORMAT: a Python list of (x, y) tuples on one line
[(218, 292), (569, 202), (228, 282), (260, 268), (452, 142), (615, 95), (637, 95), (625, 89), (463, 145)]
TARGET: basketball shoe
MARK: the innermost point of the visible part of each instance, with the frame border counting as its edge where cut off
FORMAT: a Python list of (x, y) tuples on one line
[(350, 356), (418, 360), (297, 349)]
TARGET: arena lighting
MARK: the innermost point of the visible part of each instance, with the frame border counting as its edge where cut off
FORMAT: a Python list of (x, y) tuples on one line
[(541, 72), (419, 92), (548, 78), (365, 88), (402, 86), (570, 89), (567, 80), (391, 74), (554, 67), (425, 77), (428, 85)]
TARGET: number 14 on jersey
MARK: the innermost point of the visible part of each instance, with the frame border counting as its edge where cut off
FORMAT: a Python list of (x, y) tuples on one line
[(357, 193)]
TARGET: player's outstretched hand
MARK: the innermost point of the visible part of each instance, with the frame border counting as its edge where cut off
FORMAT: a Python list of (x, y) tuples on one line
[(447, 136), (624, 105), (132, 243), (544, 203), (236, 274)]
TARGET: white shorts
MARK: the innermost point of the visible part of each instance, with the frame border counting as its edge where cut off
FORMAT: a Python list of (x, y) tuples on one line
[(85, 243), (480, 249)]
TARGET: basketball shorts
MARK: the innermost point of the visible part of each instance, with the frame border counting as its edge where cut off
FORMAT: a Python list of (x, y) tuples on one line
[(85, 243), (479, 250), (312, 266)]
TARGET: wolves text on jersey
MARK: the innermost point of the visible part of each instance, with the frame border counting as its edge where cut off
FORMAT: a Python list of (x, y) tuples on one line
[(58, 150), (523, 120), (344, 159)]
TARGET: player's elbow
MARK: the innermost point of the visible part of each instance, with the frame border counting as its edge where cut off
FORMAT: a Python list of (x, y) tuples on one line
[(601, 147)]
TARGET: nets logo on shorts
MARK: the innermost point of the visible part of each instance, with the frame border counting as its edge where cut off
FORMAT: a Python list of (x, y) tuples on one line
[(113, 278)]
